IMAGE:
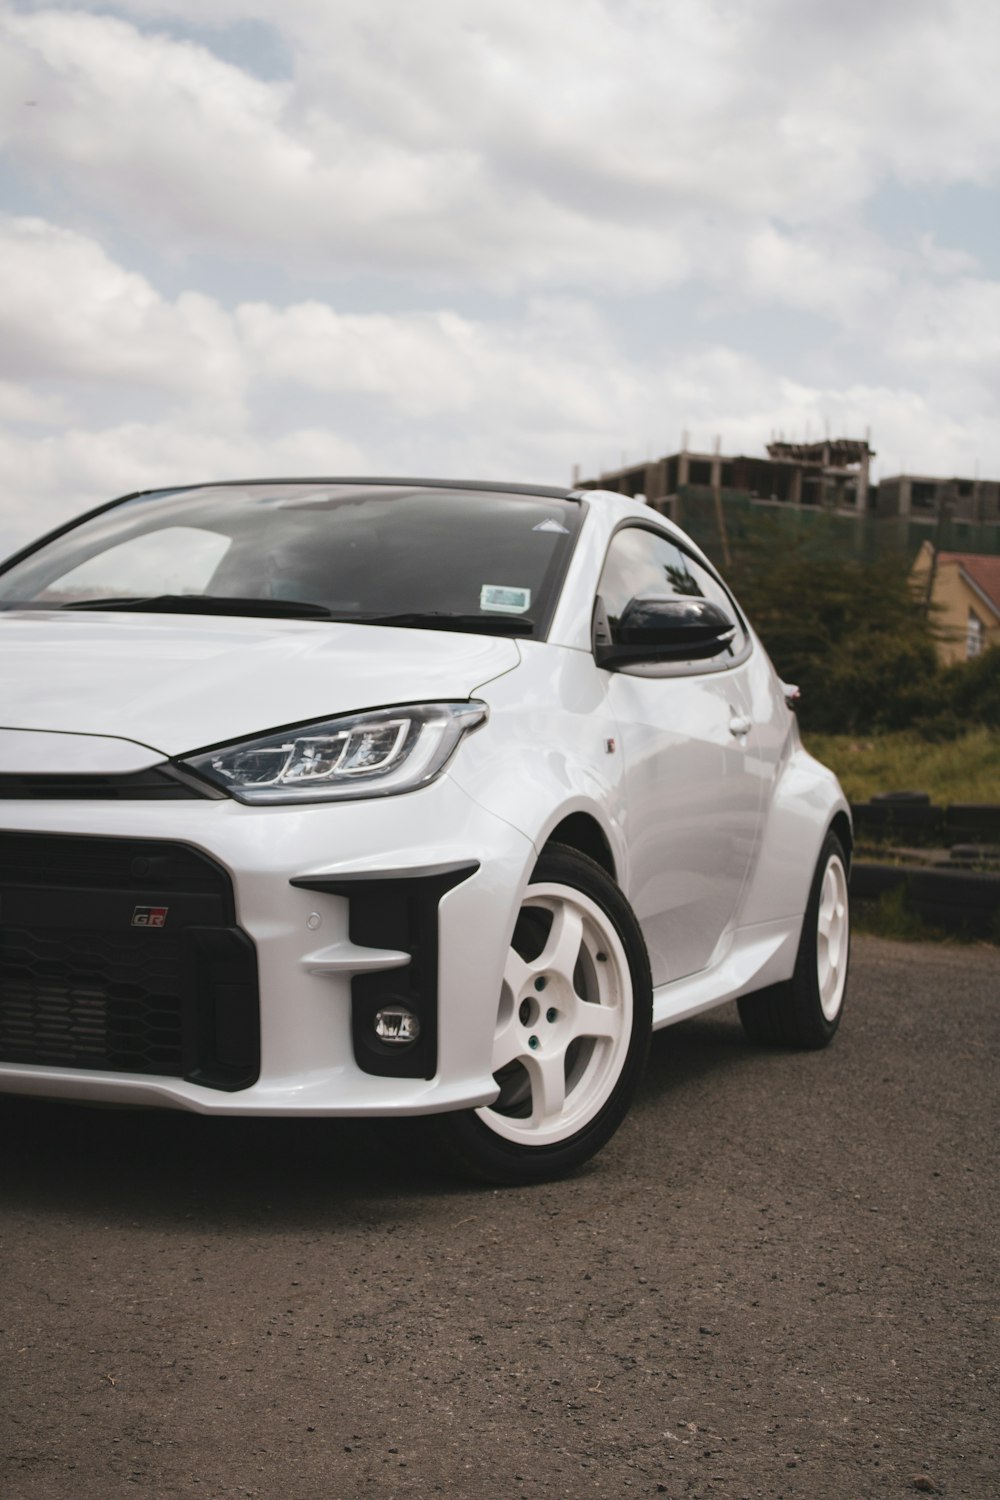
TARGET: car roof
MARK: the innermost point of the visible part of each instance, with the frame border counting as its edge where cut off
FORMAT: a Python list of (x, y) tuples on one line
[(548, 492)]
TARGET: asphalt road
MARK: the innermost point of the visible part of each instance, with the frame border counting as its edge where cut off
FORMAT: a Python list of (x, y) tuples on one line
[(780, 1279)]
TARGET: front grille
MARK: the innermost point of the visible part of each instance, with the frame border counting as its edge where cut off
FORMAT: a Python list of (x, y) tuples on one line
[(124, 955), (72, 862), (155, 785)]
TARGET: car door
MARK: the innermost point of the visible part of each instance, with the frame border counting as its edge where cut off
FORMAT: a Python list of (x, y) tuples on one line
[(692, 783)]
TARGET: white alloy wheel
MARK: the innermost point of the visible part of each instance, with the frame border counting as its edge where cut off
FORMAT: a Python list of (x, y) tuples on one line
[(564, 1021), (571, 1032), (832, 937)]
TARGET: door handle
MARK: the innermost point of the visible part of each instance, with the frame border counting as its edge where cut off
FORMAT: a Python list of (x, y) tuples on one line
[(739, 725)]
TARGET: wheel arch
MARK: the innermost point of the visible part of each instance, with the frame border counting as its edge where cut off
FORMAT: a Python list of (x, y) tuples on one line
[(841, 826), (807, 805), (584, 833)]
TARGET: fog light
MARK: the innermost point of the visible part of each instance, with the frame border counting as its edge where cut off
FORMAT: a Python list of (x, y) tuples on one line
[(397, 1024)]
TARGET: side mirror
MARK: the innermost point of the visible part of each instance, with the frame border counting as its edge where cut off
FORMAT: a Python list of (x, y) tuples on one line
[(653, 628)]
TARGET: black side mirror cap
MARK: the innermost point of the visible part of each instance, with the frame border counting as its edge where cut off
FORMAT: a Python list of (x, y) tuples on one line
[(654, 628)]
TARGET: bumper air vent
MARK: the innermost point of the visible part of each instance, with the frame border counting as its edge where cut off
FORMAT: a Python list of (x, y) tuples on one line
[(399, 910), (155, 785), (124, 955)]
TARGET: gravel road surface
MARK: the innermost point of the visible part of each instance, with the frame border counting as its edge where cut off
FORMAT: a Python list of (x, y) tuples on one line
[(779, 1280)]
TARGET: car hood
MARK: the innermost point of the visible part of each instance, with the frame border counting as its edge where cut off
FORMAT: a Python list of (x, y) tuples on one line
[(176, 685)]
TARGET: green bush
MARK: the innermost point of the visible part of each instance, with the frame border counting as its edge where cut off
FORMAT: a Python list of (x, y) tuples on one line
[(974, 689), (856, 640), (850, 634)]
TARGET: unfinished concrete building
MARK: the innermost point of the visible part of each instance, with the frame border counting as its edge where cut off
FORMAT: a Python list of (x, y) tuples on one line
[(830, 475), (920, 496)]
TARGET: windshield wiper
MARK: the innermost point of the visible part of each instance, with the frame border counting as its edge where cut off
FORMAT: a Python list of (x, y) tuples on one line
[(439, 620), (209, 604), (301, 609)]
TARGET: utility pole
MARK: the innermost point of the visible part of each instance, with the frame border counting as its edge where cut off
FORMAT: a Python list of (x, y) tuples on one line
[(720, 514)]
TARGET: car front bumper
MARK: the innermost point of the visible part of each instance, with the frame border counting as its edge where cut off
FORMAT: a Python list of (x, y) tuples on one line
[(417, 894)]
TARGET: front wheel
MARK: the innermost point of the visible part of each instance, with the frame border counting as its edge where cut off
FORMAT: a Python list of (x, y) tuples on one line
[(571, 1032), (806, 1011)]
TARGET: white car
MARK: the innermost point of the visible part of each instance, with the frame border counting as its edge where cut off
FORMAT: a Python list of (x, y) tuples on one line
[(379, 797)]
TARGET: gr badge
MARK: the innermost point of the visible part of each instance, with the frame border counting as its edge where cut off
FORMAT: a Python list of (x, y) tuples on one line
[(150, 916)]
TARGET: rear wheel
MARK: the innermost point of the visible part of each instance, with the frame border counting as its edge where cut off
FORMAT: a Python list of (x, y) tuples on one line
[(806, 1011), (571, 1032)]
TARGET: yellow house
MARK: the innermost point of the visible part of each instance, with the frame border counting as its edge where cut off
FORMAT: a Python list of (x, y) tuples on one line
[(963, 589)]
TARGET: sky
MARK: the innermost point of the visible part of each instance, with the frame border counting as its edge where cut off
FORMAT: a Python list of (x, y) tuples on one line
[(489, 239)]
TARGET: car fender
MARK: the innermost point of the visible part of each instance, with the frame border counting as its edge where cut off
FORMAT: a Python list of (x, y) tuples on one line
[(549, 750), (805, 801)]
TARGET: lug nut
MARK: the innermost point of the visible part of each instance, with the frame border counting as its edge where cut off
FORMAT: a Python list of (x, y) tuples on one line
[(533, 1043), (551, 1014), (541, 983)]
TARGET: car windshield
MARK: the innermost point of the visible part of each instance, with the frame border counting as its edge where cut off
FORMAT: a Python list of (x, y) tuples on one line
[(436, 558)]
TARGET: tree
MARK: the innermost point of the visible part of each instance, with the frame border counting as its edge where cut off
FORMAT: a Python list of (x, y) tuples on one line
[(849, 633)]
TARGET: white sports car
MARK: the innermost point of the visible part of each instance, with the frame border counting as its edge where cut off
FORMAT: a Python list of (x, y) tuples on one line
[(392, 797)]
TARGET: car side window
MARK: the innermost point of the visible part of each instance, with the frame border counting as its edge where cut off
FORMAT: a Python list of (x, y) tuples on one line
[(640, 561)]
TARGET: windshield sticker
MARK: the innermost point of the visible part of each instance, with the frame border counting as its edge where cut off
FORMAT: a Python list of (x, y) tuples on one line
[(508, 601), (551, 525)]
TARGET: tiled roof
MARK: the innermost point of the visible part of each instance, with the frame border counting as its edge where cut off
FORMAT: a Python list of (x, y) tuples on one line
[(982, 572)]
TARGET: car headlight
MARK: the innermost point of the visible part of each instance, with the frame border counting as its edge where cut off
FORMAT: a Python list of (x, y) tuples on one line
[(372, 754)]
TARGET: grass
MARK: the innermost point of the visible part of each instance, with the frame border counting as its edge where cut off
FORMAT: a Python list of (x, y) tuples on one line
[(890, 917), (962, 770)]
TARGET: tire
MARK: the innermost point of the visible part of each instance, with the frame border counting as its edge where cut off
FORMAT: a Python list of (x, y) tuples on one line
[(805, 1012), (571, 1033)]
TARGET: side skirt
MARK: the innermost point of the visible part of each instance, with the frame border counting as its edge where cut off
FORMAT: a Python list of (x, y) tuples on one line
[(757, 956)]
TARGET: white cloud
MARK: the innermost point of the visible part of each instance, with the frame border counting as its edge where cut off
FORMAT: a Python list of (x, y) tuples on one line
[(581, 142), (839, 275), (69, 310), (186, 150), (19, 405), (543, 367)]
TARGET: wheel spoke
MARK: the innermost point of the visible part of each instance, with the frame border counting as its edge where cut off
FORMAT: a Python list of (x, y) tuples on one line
[(548, 1086), (835, 943), (597, 1021), (517, 973), (508, 1043), (562, 947), (828, 905)]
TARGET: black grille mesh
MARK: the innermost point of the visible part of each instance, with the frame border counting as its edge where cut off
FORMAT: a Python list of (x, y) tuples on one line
[(90, 1000)]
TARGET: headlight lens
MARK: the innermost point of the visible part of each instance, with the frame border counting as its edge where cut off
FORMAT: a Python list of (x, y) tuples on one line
[(360, 755)]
